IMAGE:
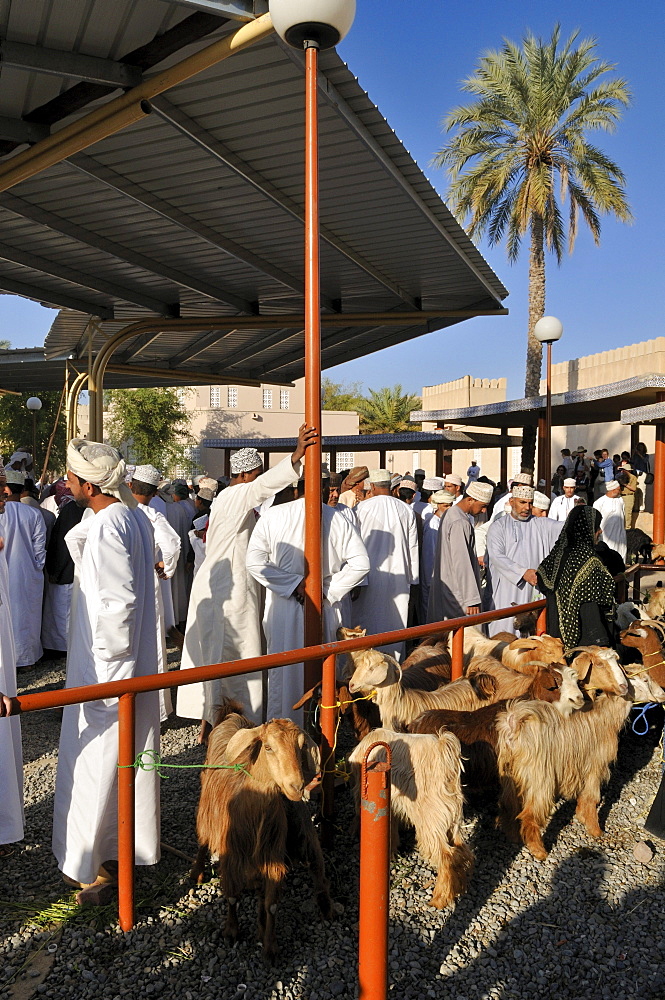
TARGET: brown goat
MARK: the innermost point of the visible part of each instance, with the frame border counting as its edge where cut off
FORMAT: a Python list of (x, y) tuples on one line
[(647, 638), (476, 730), (544, 648), (251, 816)]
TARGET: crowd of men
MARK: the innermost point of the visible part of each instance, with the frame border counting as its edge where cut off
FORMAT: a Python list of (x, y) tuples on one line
[(120, 561)]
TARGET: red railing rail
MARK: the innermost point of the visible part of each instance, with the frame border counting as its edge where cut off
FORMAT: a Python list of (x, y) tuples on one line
[(126, 691)]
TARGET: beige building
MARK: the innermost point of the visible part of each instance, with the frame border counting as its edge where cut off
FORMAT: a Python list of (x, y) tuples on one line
[(226, 412), (462, 392), (645, 358)]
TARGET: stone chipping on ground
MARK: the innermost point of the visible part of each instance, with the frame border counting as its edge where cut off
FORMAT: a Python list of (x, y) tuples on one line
[(584, 924)]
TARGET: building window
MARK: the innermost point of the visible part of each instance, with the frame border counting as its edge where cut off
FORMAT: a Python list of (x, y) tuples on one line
[(215, 402), (345, 460), (284, 395), (193, 464), (232, 398), (416, 461), (267, 399)]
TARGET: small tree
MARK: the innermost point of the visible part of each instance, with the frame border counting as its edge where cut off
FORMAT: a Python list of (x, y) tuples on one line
[(340, 395), (16, 427), (387, 411), (150, 426)]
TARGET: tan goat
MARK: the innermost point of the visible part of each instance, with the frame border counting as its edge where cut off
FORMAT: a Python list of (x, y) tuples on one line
[(251, 803), (426, 793), (544, 648), (398, 704)]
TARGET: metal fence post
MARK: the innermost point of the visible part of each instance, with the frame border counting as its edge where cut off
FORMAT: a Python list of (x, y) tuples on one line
[(329, 712), (374, 877), (457, 654), (126, 810)]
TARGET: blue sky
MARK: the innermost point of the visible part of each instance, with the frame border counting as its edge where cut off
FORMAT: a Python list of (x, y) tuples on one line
[(410, 56)]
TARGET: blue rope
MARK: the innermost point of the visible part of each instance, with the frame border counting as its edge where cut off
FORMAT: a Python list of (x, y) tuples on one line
[(641, 719)]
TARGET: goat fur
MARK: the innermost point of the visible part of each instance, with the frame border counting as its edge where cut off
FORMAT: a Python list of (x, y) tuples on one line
[(543, 756), (426, 793), (252, 824)]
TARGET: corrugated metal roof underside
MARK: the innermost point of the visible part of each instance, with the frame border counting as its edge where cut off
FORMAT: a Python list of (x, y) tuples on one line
[(197, 209), (372, 442)]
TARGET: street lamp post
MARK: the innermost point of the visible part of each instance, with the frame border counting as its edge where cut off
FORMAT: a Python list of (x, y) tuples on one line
[(34, 404), (312, 25), (547, 330)]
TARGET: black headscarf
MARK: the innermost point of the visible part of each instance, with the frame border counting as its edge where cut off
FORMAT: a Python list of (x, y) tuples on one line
[(575, 575)]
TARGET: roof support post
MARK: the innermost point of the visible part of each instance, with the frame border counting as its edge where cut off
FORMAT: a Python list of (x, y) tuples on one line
[(659, 482)]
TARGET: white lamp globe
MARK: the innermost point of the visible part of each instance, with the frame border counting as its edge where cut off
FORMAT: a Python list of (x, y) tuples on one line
[(34, 403), (325, 22), (548, 329)]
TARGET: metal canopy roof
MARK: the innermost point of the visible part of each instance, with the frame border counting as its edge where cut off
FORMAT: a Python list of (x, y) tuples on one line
[(25, 370), (196, 211), (599, 404), (373, 442)]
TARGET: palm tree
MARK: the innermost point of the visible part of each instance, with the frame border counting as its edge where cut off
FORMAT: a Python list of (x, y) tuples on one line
[(521, 148), (387, 411)]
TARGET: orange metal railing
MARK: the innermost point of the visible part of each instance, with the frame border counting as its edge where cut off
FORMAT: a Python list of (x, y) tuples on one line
[(126, 691)]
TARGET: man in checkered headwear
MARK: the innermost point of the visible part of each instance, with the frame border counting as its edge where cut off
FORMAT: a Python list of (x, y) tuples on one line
[(223, 622), (516, 545)]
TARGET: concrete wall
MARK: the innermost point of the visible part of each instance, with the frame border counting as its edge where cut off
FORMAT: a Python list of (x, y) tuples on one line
[(461, 392), (608, 366)]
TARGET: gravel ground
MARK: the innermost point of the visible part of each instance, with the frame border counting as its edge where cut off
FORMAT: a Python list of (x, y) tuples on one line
[(586, 923)]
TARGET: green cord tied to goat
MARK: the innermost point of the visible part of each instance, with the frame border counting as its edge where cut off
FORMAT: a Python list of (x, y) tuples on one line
[(150, 760)]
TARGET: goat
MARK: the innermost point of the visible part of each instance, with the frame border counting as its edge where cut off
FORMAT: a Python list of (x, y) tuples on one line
[(477, 730), (598, 670), (656, 602), (477, 644), (252, 817), (545, 648), (543, 756), (526, 623), (647, 638), (638, 546), (398, 704), (426, 793), (542, 681), (628, 613)]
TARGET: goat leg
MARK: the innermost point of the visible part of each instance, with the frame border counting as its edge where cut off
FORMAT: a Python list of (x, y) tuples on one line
[(198, 868), (317, 869), (509, 807), (452, 878), (232, 892), (531, 835), (587, 807), (267, 910)]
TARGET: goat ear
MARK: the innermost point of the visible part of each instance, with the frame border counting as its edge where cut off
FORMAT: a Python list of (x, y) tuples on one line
[(527, 643), (582, 666), (241, 740), (484, 685), (311, 760)]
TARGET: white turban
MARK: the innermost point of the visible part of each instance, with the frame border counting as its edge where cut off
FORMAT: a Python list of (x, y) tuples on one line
[(431, 484), (522, 477), (480, 491), (612, 485), (101, 465), (442, 496), (453, 478), (147, 474), (541, 501), (245, 460), (15, 477), (379, 476), (570, 482)]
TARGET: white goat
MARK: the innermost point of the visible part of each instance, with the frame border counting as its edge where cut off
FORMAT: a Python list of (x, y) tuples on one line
[(426, 793)]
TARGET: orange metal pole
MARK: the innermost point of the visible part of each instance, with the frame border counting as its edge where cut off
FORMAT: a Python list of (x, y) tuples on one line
[(126, 810), (328, 725), (547, 459), (659, 482), (457, 654), (313, 561), (541, 624), (374, 877), (233, 668)]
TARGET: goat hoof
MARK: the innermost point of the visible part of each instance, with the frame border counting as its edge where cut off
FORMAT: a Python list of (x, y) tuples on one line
[(325, 905), (537, 851)]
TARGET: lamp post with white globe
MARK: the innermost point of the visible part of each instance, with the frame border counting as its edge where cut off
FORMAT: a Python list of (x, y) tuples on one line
[(34, 404), (547, 330), (312, 25)]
